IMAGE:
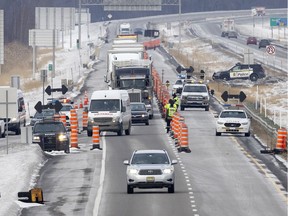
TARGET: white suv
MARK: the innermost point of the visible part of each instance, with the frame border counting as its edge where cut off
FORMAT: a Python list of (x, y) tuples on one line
[(233, 121), (150, 169), (195, 95)]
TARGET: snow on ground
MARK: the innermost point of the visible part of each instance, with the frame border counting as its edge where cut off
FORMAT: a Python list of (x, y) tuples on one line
[(20, 167)]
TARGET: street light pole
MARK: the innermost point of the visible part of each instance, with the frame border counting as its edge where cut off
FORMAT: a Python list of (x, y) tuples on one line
[(179, 22), (79, 25)]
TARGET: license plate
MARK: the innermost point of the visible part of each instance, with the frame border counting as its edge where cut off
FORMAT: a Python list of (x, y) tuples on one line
[(150, 179), (231, 128)]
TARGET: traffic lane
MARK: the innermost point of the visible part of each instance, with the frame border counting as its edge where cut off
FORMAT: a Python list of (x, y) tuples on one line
[(225, 179), (116, 201), (69, 181)]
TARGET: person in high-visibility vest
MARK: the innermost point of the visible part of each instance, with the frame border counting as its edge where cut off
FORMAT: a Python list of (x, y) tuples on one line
[(176, 100), (171, 108)]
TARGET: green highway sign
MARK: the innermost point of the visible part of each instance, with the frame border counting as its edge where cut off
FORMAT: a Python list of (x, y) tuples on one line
[(50, 67), (278, 22)]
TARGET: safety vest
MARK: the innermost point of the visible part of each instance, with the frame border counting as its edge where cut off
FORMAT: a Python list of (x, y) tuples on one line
[(170, 110), (176, 99)]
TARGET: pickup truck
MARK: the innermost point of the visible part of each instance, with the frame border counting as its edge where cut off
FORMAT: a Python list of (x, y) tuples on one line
[(2, 128)]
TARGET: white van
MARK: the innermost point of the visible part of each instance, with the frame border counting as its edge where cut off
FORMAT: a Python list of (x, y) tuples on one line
[(111, 111), (15, 119)]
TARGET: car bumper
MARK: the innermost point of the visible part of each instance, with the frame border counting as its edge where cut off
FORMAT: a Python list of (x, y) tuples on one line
[(140, 119), (145, 181), (194, 104), (223, 129)]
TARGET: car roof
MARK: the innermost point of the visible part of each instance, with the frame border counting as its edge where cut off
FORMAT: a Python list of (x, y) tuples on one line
[(137, 103), (149, 151)]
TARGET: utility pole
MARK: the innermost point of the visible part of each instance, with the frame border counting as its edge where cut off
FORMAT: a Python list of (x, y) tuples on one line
[(79, 25)]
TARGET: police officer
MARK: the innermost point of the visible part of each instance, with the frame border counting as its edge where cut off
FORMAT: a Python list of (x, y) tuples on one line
[(176, 100), (170, 110)]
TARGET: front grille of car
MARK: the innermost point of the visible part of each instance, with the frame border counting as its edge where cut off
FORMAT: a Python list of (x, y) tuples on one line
[(232, 124), (102, 120), (195, 98), (50, 142), (150, 172)]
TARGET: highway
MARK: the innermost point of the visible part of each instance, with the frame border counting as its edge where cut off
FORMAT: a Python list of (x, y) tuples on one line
[(219, 177)]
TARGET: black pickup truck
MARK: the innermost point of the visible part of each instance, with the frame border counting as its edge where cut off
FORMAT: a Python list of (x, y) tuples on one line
[(241, 71)]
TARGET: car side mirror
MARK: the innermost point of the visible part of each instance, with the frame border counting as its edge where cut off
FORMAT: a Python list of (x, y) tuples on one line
[(123, 109), (126, 162), (174, 162)]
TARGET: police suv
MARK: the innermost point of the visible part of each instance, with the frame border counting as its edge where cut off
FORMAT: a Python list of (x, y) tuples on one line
[(241, 71), (233, 121)]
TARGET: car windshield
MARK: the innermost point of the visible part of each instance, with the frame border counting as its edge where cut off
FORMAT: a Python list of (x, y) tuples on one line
[(132, 83), (233, 114), (195, 89), (150, 158), (178, 82), (44, 113), (138, 107), (112, 105), (49, 127)]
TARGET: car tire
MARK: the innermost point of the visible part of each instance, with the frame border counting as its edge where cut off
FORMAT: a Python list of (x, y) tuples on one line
[(247, 134), (207, 108), (130, 189), (67, 151), (150, 116), (253, 77), (218, 133), (171, 189), (89, 133), (147, 123), (182, 108), (128, 131), (3, 134), (18, 130)]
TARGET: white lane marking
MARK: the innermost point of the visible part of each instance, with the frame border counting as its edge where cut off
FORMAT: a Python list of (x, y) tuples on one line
[(101, 183)]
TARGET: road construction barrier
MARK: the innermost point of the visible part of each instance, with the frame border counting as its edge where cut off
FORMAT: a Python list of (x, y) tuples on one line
[(80, 104), (95, 137), (34, 195), (84, 120), (183, 139), (281, 144), (75, 105), (86, 100), (74, 138), (175, 125), (63, 119)]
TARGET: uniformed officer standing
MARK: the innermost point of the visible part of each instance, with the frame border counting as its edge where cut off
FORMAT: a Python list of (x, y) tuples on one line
[(171, 108), (176, 100)]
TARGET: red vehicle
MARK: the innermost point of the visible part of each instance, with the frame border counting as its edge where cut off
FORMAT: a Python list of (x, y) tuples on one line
[(252, 40)]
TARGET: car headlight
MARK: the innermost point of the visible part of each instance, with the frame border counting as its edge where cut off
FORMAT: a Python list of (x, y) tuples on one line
[(132, 171), (144, 115), (220, 122), (62, 137), (115, 119), (168, 171), (36, 139), (244, 123), (13, 120), (90, 119)]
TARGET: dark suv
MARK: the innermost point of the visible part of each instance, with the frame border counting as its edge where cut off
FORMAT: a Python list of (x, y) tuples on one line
[(51, 136), (263, 43), (241, 71)]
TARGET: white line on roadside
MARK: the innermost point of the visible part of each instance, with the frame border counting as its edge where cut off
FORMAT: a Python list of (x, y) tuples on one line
[(102, 176)]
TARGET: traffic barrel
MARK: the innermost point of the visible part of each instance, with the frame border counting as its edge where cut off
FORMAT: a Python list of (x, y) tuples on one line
[(76, 106), (86, 100), (85, 120), (74, 137), (80, 104), (183, 144), (63, 119), (95, 137), (281, 144)]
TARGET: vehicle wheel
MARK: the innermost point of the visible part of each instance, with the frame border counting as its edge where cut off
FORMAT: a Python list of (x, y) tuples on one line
[(182, 108), (18, 130), (207, 108), (218, 133), (253, 77), (247, 134), (130, 189), (171, 189), (120, 131), (89, 133), (3, 134), (67, 151), (147, 123), (150, 116), (128, 131)]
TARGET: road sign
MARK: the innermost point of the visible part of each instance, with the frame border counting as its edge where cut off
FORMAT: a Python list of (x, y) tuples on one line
[(63, 89), (225, 96), (57, 106), (270, 49), (278, 21)]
